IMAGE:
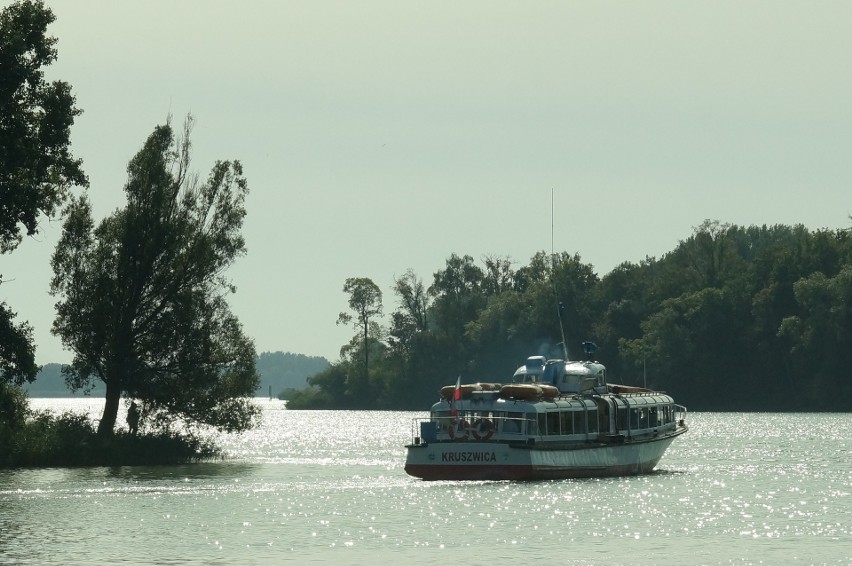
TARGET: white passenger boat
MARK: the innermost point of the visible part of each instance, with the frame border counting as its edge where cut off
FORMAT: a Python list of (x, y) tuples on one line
[(558, 419)]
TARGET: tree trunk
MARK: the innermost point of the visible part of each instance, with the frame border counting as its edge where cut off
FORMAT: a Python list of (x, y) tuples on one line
[(366, 354), (113, 397)]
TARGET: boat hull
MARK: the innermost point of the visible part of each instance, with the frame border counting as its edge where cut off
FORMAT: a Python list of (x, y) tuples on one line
[(502, 461)]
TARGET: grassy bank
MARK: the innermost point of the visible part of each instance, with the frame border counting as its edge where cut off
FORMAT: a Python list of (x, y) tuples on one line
[(69, 440)]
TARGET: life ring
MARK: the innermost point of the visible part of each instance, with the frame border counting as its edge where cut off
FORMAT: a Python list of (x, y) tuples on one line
[(460, 423), (481, 424)]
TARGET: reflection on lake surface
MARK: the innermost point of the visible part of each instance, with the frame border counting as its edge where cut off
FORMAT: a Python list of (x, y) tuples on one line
[(329, 487)]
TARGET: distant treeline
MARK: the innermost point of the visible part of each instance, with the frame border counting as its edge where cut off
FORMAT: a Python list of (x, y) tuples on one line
[(50, 383), (279, 371), (734, 318)]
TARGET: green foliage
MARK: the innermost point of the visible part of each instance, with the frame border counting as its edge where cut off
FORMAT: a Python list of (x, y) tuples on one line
[(308, 399), (287, 394), (411, 317), (17, 351), (733, 318), (36, 166), (821, 337), (365, 301), (68, 440), (14, 408), (142, 295), (328, 390)]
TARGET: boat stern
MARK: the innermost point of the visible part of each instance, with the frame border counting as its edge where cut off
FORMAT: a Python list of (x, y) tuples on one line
[(466, 461)]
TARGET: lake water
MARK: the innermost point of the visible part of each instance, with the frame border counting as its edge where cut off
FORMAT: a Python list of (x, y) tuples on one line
[(328, 487)]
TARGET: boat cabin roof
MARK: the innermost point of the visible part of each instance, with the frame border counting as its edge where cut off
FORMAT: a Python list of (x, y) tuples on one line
[(491, 401), (536, 368), (641, 399)]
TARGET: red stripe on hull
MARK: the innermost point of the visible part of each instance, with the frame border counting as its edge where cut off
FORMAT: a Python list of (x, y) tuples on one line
[(480, 472), (434, 472)]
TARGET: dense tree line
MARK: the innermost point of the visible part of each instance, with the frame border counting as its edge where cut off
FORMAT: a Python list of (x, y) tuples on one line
[(734, 318), (50, 382), (277, 370)]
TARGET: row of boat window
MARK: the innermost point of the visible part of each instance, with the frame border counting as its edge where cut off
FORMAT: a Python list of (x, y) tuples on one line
[(562, 422), (646, 417)]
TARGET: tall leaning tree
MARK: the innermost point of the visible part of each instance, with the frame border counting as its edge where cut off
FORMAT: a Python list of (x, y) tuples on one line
[(37, 169), (142, 295)]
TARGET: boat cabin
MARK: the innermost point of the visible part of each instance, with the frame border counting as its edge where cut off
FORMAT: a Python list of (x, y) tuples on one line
[(568, 377), (487, 415)]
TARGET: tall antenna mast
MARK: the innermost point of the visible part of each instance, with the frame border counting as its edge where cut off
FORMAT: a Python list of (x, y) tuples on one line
[(553, 281)]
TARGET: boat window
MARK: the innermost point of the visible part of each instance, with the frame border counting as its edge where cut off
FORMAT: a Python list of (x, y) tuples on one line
[(592, 420), (567, 423), (639, 418), (532, 424), (513, 423), (549, 374), (621, 418), (652, 417), (579, 422), (553, 423)]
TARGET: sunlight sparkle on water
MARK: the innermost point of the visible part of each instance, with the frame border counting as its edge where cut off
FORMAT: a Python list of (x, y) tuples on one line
[(330, 486)]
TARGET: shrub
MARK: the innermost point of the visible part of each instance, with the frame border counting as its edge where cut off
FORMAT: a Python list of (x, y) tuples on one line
[(70, 440), (14, 406)]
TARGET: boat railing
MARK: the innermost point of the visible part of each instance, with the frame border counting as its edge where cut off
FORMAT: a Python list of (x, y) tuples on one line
[(680, 415), (427, 429), (644, 393)]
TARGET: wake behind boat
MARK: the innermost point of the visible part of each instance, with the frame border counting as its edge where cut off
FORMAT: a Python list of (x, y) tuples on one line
[(558, 419)]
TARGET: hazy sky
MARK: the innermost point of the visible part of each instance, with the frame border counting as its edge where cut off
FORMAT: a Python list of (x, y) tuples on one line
[(382, 136)]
